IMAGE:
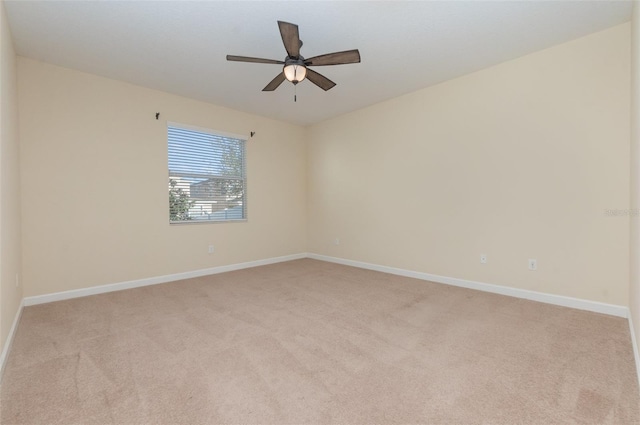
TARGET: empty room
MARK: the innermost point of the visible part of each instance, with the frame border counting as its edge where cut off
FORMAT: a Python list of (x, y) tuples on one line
[(319, 212)]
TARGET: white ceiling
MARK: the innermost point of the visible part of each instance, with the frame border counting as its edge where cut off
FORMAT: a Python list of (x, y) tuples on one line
[(180, 47)]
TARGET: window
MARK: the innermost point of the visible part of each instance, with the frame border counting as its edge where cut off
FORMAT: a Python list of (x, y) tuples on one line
[(206, 176)]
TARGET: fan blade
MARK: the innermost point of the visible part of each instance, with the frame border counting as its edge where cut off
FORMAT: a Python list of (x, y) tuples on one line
[(319, 80), (255, 60), (338, 58), (290, 38), (275, 82)]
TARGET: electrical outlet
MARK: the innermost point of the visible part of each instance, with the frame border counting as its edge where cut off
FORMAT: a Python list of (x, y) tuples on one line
[(533, 264), (336, 241), (483, 258), (211, 249)]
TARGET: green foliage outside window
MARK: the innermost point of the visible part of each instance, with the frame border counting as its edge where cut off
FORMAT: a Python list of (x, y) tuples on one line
[(179, 202)]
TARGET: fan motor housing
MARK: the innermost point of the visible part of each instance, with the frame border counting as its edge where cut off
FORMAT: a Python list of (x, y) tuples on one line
[(291, 61)]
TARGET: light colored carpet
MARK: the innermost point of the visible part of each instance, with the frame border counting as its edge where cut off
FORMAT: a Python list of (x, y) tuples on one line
[(313, 342)]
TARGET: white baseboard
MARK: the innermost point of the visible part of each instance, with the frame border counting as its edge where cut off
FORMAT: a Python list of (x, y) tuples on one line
[(9, 340), (94, 290), (594, 306), (634, 343), (598, 307)]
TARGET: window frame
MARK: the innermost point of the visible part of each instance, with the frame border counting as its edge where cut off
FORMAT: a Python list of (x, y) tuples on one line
[(217, 133)]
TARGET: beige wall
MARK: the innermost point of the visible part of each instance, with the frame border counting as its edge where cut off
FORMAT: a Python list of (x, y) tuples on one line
[(634, 283), (516, 161), (94, 179), (10, 256)]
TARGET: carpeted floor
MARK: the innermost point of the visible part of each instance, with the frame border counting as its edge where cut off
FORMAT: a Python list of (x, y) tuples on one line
[(313, 342)]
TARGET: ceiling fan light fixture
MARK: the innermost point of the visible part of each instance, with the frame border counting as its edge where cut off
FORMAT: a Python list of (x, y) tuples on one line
[(295, 72), (295, 66)]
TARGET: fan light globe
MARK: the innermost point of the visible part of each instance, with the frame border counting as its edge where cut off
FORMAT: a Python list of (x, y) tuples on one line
[(295, 73)]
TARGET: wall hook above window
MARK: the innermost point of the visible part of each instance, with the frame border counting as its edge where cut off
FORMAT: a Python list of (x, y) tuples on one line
[(157, 115), (253, 133)]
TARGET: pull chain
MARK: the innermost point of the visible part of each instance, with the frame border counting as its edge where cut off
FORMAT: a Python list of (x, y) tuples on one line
[(295, 92)]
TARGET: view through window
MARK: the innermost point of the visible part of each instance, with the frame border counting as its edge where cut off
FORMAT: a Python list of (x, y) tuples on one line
[(206, 176)]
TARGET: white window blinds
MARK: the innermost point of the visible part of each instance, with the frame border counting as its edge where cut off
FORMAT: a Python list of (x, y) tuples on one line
[(207, 180)]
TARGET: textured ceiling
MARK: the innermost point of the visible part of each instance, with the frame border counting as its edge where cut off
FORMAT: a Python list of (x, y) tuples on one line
[(180, 47)]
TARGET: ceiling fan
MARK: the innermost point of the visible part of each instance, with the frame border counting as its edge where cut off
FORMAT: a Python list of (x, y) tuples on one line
[(296, 67)]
